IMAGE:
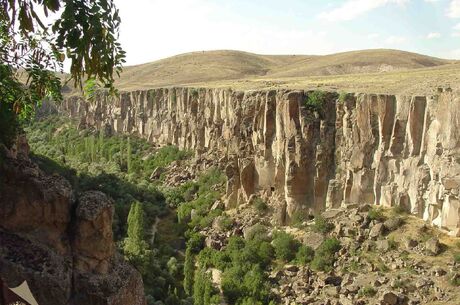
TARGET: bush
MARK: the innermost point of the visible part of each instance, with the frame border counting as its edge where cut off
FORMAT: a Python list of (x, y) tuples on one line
[(398, 209), (195, 242), (257, 251), (393, 244), (376, 214), (260, 205), (322, 225), (367, 292), (240, 287), (325, 255), (343, 96), (298, 218), (315, 100), (225, 223), (457, 258), (455, 280), (285, 246), (257, 231), (305, 255)]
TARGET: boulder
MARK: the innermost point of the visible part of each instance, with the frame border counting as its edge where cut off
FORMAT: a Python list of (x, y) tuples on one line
[(392, 223), (382, 245), (376, 231), (388, 298), (432, 246)]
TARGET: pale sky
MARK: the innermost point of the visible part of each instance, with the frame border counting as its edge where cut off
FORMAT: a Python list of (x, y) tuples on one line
[(155, 29)]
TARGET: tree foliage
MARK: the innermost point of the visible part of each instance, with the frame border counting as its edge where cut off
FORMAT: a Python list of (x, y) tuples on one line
[(33, 49), (189, 267)]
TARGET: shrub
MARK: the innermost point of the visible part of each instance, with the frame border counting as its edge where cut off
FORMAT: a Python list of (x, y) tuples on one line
[(225, 223), (457, 258), (305, 255), (367, 292), (315, 100), (399, 210), (285, 246), (455, 280), (298, 217), (322, 225), (251, 286), (376, 214), (257, 231), (343, 96), (325, 255), (260, 205), (393, 244), (195, 242), (257, 251)]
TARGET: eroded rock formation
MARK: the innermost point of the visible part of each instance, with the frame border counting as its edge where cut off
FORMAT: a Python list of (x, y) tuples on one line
[(360, 148), (60, 243)]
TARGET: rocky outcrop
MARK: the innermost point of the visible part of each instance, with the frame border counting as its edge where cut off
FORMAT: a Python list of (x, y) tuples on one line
[(359, 148), (60, 243)]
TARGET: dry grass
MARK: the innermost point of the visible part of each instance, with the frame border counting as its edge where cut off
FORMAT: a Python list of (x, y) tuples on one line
[(376, 71)]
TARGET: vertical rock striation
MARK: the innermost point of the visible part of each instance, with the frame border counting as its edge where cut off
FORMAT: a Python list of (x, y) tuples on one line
[(359, 148)]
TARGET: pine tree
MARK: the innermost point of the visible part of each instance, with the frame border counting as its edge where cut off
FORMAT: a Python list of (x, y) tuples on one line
[(189, 267), (198, 288), (202, 288), (135, 243), (128, 156), (122, 159), (207, 294), (100, 145)]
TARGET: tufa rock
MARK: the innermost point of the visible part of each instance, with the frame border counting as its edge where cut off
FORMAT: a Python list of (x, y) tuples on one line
[(432, 246), (370, 149), (61, 245)]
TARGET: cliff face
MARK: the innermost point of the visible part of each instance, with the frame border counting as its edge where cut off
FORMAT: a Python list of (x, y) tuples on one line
[(60, 243), (360, 148)]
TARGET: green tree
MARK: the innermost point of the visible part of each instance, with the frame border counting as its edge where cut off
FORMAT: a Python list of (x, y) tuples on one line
[(135, 243), (285, 246), (305, 255), (129, 156), (31, 51), (189, 268)]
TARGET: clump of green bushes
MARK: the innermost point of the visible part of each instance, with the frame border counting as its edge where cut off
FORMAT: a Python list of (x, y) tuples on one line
[(376, 214), (321, 225), (285, 246), (315, 100), (325, 255)]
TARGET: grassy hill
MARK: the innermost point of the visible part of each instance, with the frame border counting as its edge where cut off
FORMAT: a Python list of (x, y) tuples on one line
[(356, 71)]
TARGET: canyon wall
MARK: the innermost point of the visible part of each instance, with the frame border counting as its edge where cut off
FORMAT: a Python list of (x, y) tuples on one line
[(58, 241), (350, 149)]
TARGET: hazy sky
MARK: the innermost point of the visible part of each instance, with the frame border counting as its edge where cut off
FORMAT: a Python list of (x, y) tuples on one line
[(154, 29)]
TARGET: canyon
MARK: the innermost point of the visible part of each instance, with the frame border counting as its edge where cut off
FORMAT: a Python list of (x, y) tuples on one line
[(343, 150), (58, 240)]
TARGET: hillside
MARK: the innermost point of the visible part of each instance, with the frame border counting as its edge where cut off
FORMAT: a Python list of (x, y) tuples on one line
[(205, 66), (239, 69)]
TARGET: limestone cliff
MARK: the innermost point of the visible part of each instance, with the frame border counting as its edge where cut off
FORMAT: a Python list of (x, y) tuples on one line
[(353, 149), (58, 242)]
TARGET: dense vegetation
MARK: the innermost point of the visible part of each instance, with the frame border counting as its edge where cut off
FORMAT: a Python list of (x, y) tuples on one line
[(120, 167)]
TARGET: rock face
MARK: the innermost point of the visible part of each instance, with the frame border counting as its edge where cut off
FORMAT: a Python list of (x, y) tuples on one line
[(362, 148), (59, 243)]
